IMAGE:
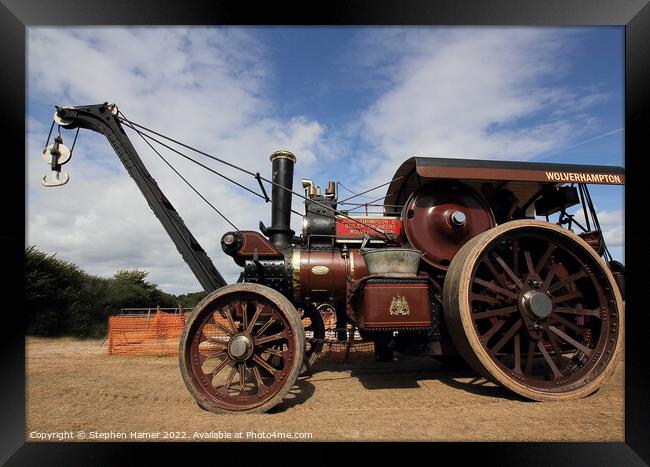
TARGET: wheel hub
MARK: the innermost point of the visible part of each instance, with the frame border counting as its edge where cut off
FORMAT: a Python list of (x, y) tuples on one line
[(538, 304), (240, 347), (458, 218)]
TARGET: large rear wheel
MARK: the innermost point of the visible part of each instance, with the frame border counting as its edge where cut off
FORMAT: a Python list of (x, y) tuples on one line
[(532, 307), (242, 349)]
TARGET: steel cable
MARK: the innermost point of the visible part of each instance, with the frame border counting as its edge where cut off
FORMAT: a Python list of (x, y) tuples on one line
[(254, 175), (144, 136), (183, 178)]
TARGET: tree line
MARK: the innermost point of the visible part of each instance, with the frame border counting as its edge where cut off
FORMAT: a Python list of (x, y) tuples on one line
[(62, 299)]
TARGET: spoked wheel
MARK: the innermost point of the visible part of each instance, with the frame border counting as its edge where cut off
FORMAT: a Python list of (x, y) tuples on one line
[(314, 327), (532, 307), (242, 349)]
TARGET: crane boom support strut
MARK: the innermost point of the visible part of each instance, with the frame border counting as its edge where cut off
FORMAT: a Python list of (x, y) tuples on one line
[(101, 119)]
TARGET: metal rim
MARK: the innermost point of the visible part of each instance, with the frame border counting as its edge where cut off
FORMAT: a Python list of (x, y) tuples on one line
[(536, 310), (242, 349), (282, 153)]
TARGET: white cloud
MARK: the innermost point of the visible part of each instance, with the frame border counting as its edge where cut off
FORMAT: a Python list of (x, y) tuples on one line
[(202, 86), (484, 93), (612, 222)]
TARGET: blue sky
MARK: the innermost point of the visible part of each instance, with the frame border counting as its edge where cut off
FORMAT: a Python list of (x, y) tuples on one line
[(352, 103)]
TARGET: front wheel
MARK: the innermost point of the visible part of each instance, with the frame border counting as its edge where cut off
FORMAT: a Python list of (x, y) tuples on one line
[(242, 349)]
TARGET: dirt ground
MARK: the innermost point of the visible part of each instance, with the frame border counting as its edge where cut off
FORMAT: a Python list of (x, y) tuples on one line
[(74, 386)]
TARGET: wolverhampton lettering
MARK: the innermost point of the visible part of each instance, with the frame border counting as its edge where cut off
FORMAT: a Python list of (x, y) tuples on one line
[(582, 177)]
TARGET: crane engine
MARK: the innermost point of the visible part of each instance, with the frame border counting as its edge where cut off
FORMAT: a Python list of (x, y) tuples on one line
[(476, 258)]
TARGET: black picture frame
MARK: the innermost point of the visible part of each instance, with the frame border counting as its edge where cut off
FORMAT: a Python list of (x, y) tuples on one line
[(634, 15)]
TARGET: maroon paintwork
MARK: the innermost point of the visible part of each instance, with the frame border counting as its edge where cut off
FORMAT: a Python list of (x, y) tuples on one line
[(382, 305), (315, 282), (427, 220), (255, 243)]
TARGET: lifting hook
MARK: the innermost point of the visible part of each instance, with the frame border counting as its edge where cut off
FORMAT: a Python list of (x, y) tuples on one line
[(56, 155), (56, 181)]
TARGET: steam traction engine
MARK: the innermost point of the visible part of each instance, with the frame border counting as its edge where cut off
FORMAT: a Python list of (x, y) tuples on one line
[(457, 264)]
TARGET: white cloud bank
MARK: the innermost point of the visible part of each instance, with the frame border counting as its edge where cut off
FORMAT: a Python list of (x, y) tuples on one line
[(480, 93)]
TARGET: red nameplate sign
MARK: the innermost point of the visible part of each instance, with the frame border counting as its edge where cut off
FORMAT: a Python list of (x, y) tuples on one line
[(349, 229)]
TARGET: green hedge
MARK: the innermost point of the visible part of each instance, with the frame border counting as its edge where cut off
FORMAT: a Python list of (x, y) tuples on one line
[(62, 299)]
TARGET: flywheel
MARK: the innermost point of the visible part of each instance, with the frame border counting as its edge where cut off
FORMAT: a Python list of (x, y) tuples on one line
[(441, 216)]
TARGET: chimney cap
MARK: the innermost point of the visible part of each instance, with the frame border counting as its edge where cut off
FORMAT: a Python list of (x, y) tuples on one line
[(283, 153)]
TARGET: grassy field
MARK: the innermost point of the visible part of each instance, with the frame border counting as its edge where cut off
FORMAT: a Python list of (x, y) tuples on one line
[(74, 386)]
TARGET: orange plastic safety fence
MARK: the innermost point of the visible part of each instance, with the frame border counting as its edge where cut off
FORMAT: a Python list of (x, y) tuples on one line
[(155, 334), (337, 351), (158, 334)]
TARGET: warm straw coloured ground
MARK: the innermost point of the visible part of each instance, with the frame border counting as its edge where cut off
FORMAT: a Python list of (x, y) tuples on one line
[(74, 385)]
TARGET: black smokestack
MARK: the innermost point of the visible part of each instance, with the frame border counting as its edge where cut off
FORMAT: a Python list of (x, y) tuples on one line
[(280, 232)]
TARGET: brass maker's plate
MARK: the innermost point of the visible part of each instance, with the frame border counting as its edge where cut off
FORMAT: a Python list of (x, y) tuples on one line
[(320, 270)]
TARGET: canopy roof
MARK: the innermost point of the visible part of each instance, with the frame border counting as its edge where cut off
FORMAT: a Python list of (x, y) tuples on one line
[(521, 177)]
